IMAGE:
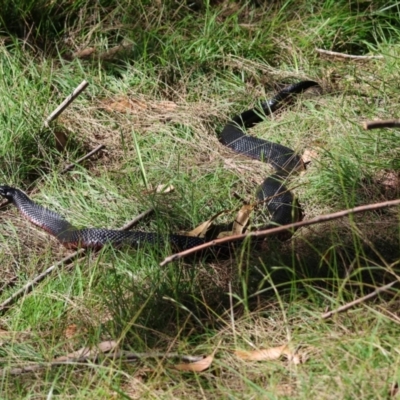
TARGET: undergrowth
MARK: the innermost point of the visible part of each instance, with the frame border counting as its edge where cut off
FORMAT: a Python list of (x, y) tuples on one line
[(178, 72)]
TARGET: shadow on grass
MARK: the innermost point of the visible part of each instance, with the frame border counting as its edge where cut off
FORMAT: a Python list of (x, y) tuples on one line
[(330, 264)]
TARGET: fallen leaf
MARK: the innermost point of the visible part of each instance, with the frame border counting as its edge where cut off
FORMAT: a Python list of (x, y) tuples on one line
[(242, 219), (201, 230), (107, 346), (197, 366), (102, 347), (85, 53), (164, 189), (273, 353), (161, 189)]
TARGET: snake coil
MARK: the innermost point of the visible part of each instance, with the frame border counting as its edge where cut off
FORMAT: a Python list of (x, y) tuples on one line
[(279, 201)]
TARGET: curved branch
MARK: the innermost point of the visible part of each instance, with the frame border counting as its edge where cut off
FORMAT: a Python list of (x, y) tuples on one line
[(273, 231)]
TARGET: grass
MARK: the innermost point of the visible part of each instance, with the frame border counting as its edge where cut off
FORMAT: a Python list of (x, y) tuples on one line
[(190, 68)]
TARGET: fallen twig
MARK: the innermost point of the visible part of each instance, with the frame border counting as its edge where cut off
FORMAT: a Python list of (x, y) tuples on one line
[(135, 220), (358, 301), (86, 360), (82, 86), (66, 260), (88, 155), (26, 288), (389, 123), (268, 232), (348, 56)]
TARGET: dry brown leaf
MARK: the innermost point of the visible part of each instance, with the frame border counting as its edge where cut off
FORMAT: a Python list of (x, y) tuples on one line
[(197, 366), (164, 189), (102, 347), (242, 219), (201, 230), (161, 189), (85, 53), (273, 353), (107, 346)]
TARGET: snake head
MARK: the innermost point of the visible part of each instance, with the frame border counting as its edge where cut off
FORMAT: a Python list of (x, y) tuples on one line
[(7, 191)]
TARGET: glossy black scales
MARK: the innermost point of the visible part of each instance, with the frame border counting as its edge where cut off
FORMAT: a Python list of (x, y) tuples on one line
[(280, 202), (280, 157), (95, 238)]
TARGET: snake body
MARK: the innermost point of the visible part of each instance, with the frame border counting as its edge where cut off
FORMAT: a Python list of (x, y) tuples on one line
[(279, 200), (94, 238)]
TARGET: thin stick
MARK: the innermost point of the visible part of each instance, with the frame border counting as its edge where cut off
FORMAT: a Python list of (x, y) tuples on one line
[(85, 157), (348, 56), (26, 288), (66, 260), (120, 355), (358, 301), (389, 123), (268, 232), (135, 220), (82, 86)]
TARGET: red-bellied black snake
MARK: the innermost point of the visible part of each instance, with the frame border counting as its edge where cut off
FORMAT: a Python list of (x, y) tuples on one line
[(278, 199)]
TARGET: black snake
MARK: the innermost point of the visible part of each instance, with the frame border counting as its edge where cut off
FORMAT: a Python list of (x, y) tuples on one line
[(279, 200)]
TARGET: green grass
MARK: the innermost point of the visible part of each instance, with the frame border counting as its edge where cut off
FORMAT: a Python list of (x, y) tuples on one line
[(189, 69)]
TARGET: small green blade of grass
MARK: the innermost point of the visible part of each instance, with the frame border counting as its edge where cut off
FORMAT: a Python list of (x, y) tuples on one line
[(140, 161)]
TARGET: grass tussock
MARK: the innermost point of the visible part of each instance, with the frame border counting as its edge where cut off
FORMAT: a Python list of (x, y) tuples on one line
[(164, 77)]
